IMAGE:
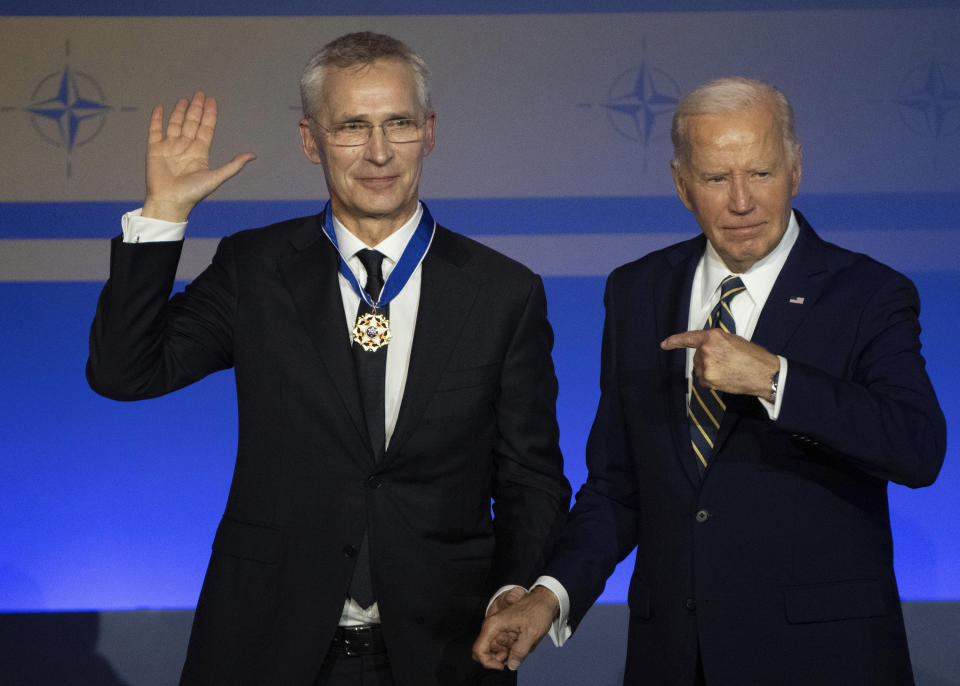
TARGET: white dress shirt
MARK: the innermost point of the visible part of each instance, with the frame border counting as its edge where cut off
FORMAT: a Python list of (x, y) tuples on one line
[(403, 308), (704, 296), (403, 319)]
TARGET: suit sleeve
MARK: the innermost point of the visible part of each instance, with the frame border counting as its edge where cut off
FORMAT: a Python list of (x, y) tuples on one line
[(881, 413), (144, 343), (602, 527), (531, 496)]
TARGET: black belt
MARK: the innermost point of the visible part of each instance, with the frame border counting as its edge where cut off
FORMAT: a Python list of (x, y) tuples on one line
[(351, 641)]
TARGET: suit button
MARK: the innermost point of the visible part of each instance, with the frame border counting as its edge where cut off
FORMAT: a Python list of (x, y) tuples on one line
[(350, 551), (702, 516), (690, 604), (374, 482)]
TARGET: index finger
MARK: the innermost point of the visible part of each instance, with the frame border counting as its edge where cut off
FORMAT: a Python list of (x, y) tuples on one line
[(208, 121), (684, 339), (492, 647)]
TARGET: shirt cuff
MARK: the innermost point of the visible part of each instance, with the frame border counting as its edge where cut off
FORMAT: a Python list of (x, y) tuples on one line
[(773, 409), (560, 630), (138, 229), (499, 592)]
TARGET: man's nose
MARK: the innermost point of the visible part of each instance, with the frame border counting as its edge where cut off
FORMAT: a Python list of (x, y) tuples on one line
[(378, 149), (741, 198)]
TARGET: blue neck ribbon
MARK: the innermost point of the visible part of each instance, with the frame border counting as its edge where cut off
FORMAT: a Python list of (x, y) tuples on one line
[(412, 256)]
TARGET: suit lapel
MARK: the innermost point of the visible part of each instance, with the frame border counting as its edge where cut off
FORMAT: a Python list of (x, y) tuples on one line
[(672, 298), (310, 274), (446, 297), (795, 291)]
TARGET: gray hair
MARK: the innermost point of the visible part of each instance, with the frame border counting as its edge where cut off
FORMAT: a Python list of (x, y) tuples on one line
[(355, 49), (730, 95)]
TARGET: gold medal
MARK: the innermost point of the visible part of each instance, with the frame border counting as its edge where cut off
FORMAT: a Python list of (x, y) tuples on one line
[(372, 331)]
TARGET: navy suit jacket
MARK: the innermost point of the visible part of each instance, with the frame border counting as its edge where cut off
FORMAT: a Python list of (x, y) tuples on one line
[(477, 421), (777, 564)]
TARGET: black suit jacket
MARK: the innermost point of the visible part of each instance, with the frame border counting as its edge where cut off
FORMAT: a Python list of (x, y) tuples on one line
[(477, 421), (777, 565)]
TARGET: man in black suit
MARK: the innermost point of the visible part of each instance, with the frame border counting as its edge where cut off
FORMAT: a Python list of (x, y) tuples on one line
[(376, 420), (754, 488)]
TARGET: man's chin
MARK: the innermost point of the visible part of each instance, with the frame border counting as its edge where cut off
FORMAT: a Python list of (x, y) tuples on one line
[(384, 208)]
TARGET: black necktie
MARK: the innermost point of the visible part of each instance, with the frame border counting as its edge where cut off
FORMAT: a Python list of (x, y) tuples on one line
[(371, 373), (372, 365), (707, 405)]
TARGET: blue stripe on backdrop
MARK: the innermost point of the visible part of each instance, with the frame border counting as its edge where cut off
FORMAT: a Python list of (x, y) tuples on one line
[(190, 8), (212, 219)]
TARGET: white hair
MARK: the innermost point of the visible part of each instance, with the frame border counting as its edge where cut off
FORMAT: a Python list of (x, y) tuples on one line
[(355, 49), (730, 95)]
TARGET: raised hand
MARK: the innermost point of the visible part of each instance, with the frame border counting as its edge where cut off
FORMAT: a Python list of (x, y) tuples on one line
[(178, 163), (510, 634)]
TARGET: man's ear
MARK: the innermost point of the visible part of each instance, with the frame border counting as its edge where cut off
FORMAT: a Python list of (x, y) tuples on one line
[(796, 172), (429, 133), (680, 183), (309, 142)]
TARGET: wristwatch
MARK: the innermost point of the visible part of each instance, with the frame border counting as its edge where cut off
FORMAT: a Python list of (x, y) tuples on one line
[(774, 384)]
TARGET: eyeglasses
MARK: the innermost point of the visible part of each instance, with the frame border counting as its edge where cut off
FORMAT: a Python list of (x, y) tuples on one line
[(353, 133)]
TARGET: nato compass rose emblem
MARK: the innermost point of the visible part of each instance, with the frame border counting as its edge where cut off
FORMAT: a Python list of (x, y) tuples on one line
[(68, 109), (929, 100), (638, 100)]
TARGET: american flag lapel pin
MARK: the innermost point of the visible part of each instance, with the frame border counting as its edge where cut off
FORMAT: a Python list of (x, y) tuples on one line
[(797, 300)]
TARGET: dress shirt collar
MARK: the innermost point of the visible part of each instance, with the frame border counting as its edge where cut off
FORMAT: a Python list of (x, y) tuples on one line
[(392, 246), (758, 279)]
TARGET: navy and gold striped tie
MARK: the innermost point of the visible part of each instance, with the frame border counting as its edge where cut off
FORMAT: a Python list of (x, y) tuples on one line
[(706, 405)]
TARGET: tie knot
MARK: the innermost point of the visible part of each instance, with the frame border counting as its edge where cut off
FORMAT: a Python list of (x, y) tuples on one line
[(372, 262), (729, 287)]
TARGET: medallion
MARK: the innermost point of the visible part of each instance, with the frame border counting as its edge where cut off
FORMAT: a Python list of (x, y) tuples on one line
[(372, 331)]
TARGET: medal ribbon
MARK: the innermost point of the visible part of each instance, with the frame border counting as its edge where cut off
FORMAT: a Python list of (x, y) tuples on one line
[(412, 256)]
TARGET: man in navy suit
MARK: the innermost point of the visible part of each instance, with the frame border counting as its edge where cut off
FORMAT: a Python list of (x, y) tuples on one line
[(392, 378), (760, 388)]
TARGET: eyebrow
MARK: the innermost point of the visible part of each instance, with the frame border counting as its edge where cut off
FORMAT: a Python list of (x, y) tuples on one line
[(769, 168), (366, 117)]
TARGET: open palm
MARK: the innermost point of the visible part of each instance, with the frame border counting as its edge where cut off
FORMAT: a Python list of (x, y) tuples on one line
[(178, 162)]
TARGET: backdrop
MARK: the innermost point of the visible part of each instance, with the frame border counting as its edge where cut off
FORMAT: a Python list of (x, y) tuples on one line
[(553, 147)]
